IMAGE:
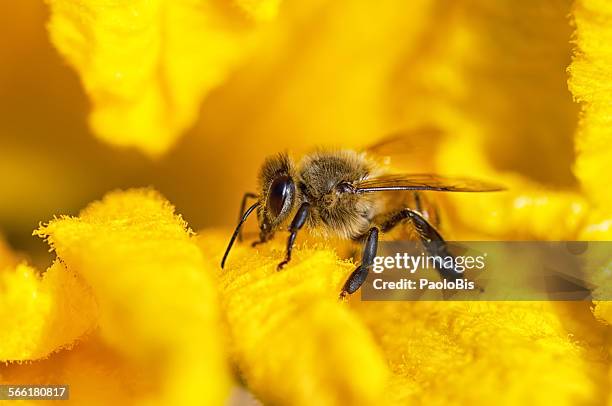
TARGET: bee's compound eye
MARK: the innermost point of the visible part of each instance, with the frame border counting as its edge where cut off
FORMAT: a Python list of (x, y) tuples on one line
[(280, 191)]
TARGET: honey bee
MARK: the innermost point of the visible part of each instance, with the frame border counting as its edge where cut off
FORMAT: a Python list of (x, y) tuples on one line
[(346, 194)]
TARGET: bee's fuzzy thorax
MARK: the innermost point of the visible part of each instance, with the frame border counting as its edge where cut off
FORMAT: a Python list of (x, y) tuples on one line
[(335, 213)]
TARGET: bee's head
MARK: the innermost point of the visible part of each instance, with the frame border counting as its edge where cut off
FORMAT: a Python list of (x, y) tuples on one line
[(277, 197), (278, 193)]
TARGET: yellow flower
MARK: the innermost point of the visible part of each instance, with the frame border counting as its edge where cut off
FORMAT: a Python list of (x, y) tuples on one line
[(129, 267), (135, 309)]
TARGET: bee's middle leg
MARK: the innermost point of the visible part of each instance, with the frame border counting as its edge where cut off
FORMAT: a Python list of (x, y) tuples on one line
[(263, 238), (359, 275), (298, 222)]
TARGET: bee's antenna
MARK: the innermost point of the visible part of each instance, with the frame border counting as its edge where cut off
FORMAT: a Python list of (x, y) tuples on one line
[(237, 231)]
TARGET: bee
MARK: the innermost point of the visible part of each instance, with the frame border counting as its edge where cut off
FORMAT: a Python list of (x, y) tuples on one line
[(347, 194)]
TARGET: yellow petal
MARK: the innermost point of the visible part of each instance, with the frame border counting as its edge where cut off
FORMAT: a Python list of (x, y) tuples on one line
[(7, 257), (526, 210), (591, 84), (599, 228), (480, 353), (97, 375), (157, 308), (146, 65), (495, 72), (293, 342), (42, 314), (259, 9)]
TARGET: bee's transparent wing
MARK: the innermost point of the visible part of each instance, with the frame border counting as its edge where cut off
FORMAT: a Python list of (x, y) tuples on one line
[(416, 147), (423, 181), (416, 141)]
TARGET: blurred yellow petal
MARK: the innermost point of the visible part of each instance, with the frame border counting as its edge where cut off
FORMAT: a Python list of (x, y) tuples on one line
[(97, 375), (294, 343), (494, 72), (526, 210), (599, 228), (157, 308), (591, 84), (7, 257), (146, 65), (42, 314), (259, 9), (603, 311), (481, 353), (494, 80)]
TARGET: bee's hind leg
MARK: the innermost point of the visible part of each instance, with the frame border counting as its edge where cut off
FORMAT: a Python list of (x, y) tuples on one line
[(427, 234), (359, 275), (427, 210), (298, 222), (426, 231)]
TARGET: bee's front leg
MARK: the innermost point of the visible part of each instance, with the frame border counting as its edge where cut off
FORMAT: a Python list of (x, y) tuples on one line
[(298, 221), (359, 275)]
